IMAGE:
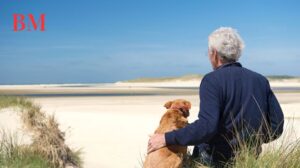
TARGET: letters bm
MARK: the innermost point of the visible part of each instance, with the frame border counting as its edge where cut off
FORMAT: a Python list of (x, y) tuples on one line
[(21, 22)]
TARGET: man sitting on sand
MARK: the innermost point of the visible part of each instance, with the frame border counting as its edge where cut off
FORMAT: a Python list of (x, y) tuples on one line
[(236, 104)]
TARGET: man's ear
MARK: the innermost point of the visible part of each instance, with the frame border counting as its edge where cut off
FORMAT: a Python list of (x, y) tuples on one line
[(215, 55), (214, 58), (168, 104)]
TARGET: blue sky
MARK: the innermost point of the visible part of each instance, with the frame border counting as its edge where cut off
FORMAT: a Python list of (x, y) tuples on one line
[(106, 41)]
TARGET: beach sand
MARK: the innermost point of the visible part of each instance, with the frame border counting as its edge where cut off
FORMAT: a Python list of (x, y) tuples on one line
[(113, 129)]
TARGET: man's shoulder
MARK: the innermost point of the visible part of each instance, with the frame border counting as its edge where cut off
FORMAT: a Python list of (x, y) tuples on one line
[(210, 79), (244, 72), (254, 75), (209, 76)]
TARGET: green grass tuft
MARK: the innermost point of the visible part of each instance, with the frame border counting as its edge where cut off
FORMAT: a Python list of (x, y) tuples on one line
[(13, 154)]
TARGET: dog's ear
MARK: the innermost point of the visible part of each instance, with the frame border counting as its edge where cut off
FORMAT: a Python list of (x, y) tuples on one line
[(168, 104), (188, 104)]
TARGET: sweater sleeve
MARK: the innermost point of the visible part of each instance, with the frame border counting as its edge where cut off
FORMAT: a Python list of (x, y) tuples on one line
[(205, 127), (275, 116)]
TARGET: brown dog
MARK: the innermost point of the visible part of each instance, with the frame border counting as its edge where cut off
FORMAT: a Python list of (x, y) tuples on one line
[(174, 118)]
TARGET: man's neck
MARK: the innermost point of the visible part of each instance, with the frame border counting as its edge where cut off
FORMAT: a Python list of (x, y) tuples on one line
[(219, 64), (223, 64)]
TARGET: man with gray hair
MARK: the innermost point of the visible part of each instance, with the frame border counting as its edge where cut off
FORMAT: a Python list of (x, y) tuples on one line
[(237, 106)]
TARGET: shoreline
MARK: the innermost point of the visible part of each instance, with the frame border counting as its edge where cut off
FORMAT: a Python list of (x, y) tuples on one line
[(115, 89)]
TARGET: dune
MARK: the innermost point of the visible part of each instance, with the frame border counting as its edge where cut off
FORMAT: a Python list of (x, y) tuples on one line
[(11, 123), (43, 138)]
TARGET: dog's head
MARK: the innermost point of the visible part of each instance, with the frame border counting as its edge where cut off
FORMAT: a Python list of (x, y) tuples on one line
[(180, 104)]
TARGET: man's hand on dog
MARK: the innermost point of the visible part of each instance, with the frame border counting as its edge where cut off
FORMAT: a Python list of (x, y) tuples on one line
[(155, 142)]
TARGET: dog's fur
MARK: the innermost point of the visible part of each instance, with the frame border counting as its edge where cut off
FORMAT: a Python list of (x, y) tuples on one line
[(174, 118)]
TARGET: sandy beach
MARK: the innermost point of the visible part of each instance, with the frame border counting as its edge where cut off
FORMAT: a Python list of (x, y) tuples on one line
[(111, 122)]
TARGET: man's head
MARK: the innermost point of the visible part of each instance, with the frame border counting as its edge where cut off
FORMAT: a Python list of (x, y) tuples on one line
[(224, 45)]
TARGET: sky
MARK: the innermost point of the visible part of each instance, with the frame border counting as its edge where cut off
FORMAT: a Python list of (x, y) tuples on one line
[(106, 41)]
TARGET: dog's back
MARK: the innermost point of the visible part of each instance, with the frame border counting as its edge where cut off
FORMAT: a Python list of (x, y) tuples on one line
[(170, 156)]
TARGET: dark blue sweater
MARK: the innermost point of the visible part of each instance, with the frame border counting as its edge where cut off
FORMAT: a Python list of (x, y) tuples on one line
[(232, 99)]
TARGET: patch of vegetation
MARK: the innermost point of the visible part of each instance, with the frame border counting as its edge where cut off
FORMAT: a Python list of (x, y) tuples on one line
[(196, 77), (166, 79), (48, 147), (283, 154), (13, 154), (280, 77), (282, 157)]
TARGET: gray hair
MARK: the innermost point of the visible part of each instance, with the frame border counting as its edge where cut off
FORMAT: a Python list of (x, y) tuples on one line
[(227, 42)]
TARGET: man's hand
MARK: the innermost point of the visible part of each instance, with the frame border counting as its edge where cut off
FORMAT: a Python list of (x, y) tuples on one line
[(155, 142)]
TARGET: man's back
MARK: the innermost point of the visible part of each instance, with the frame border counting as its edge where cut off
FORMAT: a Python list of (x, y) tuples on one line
[(244, 106)]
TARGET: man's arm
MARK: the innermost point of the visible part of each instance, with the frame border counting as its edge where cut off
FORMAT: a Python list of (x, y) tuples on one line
[(207, 124), (275, 116)]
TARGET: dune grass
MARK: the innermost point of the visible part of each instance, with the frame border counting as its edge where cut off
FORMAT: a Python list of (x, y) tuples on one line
[(283, 157), (13, 154), (48, 148), (281, 153)]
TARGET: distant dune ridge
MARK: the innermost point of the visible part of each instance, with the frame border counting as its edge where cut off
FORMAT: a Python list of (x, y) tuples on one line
[(167, 79), (193, 80), (190, 77)]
